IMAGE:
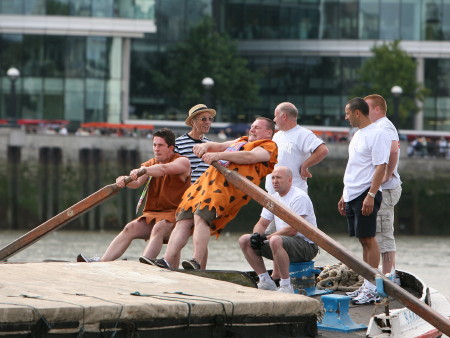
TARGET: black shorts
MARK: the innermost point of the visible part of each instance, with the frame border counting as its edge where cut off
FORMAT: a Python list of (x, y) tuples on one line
[(361, 226)]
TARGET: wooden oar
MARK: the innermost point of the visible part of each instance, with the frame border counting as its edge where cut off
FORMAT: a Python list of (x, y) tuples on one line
[(334, 248), (62, 218)]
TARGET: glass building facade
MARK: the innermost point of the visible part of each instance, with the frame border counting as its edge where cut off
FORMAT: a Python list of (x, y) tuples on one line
[(307, 52)]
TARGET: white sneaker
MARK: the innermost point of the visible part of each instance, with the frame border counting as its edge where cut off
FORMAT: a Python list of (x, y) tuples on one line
[(267, 284), (355, 293), (286, 289), (366, 296), (82, 258)]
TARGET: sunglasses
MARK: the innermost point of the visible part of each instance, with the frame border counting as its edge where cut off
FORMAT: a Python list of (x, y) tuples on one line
[(204, 119)]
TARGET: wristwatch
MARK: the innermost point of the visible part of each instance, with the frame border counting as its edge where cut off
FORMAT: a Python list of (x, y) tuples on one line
[(371, 194)]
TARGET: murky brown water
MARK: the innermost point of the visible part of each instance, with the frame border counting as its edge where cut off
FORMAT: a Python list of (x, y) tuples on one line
[(427, 257)]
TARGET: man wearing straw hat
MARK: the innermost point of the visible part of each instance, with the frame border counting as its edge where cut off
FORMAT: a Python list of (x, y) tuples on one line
[(211, 202), (199, 118)]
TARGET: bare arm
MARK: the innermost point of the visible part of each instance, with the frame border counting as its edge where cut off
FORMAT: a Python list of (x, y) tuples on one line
[(393, 160), (286, 231), (367, 207), (181, 166), (261, 225), (202, 148), (255, 155), (317, 156)]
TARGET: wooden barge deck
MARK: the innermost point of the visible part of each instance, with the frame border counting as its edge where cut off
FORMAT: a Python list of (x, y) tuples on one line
[(68, 299)]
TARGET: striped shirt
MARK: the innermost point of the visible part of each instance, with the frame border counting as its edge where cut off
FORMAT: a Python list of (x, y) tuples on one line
[(183, 146)]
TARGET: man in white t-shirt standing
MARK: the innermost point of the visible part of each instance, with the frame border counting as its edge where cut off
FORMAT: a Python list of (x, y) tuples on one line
[(298, 148), (391, 184), (285, 245), (361, 199)]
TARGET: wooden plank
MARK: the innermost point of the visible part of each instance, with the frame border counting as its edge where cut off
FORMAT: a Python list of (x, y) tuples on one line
[(62, 218), (334, 248)]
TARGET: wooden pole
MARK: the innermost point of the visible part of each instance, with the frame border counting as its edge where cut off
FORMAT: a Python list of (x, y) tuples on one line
[(62, 218), (335, 249)]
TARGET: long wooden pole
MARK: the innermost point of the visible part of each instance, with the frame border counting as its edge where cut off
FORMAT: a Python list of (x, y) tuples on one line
[(62, 218), (335, 249)]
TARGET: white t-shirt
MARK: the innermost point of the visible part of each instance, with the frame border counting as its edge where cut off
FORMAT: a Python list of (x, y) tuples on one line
[(388, 127), (299, 202), (368, 148), (294, 147)]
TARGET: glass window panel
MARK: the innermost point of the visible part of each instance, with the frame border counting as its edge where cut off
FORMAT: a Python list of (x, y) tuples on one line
[(54, 51), (32, 98), (80, 7), (12, 6), (433, 28), (295, 76), (75, 56), (96, 57), (171, 20), (389, 20), (312, 78), (369, 12), (348, 19), (349, 72), (145, 9), (53, 99), (330, 19), (33, 55), (11, 51), (446, 20), (58, 7), (313, 107), (95, 101), (278, 75), (103, 8), (124, 8), (260, 64), (197, 10), (74, 99), (410, 20), (36, 7)]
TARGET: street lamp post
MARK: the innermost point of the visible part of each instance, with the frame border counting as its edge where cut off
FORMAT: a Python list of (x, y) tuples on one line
[(396, 92), (13, 74), (207, 83)]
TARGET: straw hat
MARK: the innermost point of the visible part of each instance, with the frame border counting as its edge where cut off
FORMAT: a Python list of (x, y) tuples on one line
[(195, 110)]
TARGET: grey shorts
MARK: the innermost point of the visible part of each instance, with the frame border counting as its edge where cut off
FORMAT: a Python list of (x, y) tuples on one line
[(385, 220), (205, 213), (297, 249)]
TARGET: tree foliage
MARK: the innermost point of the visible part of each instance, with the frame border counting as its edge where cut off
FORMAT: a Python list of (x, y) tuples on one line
[(391, 66), (206, 53)]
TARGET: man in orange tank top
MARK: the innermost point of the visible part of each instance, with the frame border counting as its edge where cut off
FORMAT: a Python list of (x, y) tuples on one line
[(167, 178)]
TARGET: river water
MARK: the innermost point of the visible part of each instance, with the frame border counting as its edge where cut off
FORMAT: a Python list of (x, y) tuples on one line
[(426, 256)]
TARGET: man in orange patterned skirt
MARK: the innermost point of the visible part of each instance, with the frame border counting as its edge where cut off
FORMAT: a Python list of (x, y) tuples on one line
[(209, 204)]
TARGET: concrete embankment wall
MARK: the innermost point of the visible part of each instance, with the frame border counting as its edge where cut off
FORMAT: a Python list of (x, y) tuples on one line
[(41, 175)]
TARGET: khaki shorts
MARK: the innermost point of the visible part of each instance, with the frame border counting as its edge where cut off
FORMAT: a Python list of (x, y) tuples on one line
[(205, 213), (297, 249), (385, 220)]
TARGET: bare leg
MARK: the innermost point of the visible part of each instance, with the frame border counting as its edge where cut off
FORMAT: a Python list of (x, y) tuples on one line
[(388, 261), (280, 256), (201, 236), (133, 230), (371, 251), (178, 239), (161, 231), (255, 261)]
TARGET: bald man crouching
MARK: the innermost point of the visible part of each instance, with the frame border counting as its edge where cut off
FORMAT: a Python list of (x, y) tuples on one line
[(285, 245)]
